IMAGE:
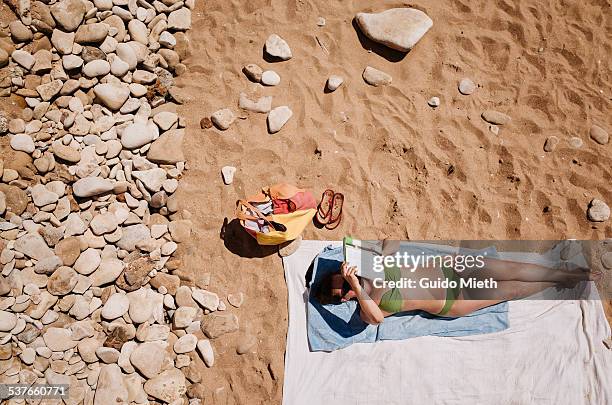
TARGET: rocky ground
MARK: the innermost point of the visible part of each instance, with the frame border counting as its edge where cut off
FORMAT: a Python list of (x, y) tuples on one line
[(93, 294)]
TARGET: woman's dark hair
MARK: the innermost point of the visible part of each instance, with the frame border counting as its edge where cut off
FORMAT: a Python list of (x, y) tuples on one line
[(323, 290)]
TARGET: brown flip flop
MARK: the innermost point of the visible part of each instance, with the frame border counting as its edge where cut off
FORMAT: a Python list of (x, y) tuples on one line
[(325, 207), (336, 211)]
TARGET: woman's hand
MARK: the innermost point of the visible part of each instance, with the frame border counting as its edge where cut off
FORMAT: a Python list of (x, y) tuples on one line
[(350, 275)]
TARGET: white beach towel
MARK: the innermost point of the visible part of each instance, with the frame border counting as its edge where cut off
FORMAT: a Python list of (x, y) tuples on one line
[(551, 354)]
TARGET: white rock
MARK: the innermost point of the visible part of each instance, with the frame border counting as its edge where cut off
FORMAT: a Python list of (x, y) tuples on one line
[(148, 358), (165, 120), (375, 77), (108, 355), (206, 299), (278, 47), (206, 352), (34, 246), (262, 105), (278, 117), (598, 211), (137, 135), (223, 118), (138, 31), (111, 387), (96, 68), (127, 54), (141, 306), (183, 316), (434, 102), (185, 344), (333, 82), (397, 28), (131, 235), (467, 86), (167, 40), (112, 95), (41, 196), (23, 58), (152, 179), (8, 320), (59, 339), (91, 186), (180, 20), (107, 272), (117, 305), (62, 41), (227, 172), (23, 143), (88, 261), (169, 386), (103, 223), (270, 78), (72, 62), (119, 68)]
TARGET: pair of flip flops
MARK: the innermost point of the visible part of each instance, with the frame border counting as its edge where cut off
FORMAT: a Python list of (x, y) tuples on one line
[(329, 212)]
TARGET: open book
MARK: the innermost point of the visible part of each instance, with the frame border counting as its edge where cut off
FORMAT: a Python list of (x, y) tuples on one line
[(361, 254)]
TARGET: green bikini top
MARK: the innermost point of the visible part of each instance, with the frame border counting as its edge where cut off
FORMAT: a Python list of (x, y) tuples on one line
[(392, 299)]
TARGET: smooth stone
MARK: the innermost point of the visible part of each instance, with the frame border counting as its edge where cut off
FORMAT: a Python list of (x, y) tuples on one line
[(262, 105), (141, 305), (575, 142), (599, 135), (333, 82), (180, 20), (168, 386), (131, 235), (277, 47), (112, 95), (96, 68), (206, 299), (397, 28), (66, 153), (68, 14), (23, 58), (119, 68), (138, 31), (116, 306), (168, 148), (71, 62), (62, 281), (227, 172), (167, 39), (103, 223), (59, 339), (184, 316), (598, 211), (253, 72), (91, 33), (107, 355), (62, 41), (185, 344), (144, 77), (223, 118), (34, 246), (148, 358), (127, 54), (8, 320), (467, 86), (88, 261), (165, 120), (270, 78), (107, 272), (496, 117), (434, 102), (152, 179), (110, 387), (375, 77), (91, 186), (22, 143), (137, 135), (41, 196), (19, 32), (551, 143), (278, 117), (206, 352)]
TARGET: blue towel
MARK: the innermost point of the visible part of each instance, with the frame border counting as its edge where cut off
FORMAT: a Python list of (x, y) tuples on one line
[(332, 327)]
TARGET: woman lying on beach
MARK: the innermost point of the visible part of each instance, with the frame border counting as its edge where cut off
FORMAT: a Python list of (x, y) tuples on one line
[(513, 281)]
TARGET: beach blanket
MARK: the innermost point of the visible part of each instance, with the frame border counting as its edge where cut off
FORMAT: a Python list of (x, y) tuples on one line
[(552, 353), (333, 327)]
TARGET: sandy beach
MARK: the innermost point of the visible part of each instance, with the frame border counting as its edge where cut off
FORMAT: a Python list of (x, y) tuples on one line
[(407, 170)]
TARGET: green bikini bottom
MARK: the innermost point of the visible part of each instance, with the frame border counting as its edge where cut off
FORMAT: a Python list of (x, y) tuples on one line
[(392, 300)]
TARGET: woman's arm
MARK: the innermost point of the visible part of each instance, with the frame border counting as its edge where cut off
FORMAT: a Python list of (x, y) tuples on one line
[(369, 311)]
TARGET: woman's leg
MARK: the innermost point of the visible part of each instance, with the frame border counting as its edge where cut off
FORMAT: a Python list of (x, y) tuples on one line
[(473, 299), (503, 270)]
